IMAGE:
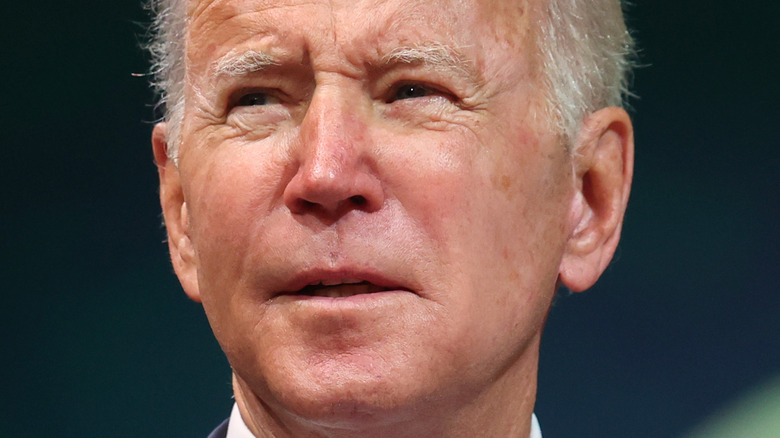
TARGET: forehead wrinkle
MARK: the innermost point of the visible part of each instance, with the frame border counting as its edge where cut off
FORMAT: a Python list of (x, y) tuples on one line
[(197, 8), (209, 20)]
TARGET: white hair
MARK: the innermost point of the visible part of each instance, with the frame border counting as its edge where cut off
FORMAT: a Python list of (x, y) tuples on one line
[(586, 56), (167, 45)]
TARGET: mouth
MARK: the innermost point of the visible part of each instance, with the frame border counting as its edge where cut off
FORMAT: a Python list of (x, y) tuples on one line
[(344, 289), (343, 285)]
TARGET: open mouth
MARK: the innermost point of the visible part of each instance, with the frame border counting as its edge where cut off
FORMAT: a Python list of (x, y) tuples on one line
[(340, 290)]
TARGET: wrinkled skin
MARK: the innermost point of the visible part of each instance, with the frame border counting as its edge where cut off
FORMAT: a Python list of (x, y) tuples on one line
[(438, 186)]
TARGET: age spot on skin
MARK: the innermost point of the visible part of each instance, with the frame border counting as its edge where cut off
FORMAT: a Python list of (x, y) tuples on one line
[(502, 183), (506, 183)]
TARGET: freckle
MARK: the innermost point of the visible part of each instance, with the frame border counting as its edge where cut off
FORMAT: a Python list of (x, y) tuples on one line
[(506, 182)]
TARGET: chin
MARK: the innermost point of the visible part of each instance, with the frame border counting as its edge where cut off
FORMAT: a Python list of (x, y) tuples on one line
[(349, 391)]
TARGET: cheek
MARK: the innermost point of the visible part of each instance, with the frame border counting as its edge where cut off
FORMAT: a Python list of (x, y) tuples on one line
[(236, 182), (531, 188), (231, 195), (431, 177), (507, 207)]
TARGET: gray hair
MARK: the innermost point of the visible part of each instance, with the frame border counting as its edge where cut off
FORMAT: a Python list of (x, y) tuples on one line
[(166, 46), (586, 54), (585, 48)]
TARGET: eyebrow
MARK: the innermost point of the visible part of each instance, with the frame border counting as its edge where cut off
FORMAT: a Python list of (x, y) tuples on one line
[(241, 64), (437, 55)]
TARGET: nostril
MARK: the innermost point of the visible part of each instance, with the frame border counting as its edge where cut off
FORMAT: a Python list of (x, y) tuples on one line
[(358, 200)]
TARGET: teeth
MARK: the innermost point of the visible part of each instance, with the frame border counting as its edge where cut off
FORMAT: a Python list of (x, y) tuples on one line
[(337, 282), (343, 290)]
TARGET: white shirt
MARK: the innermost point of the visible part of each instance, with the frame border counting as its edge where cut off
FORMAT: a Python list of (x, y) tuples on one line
[(237, 428)]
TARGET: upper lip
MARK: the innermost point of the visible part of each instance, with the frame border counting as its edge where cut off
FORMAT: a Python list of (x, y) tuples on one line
[(327, 277)]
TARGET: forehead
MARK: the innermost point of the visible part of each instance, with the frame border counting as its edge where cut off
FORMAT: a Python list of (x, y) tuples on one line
[(361, 29)]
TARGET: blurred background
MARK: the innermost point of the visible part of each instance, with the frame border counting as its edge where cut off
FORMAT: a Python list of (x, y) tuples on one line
[(680, 338)]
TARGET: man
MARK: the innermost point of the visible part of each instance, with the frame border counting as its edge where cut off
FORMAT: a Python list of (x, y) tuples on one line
[(376, 201)]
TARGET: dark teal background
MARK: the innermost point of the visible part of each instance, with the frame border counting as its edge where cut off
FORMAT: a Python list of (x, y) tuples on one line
[(99, 340)]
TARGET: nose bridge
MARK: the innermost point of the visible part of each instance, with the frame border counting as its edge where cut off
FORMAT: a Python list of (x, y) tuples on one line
[(332, 135), (334, 174)]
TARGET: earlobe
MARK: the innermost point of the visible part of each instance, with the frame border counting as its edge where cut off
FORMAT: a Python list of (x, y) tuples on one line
[(603, 169), (176, 215)]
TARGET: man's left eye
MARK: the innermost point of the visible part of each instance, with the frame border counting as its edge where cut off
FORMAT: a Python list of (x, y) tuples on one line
[(413, 91)]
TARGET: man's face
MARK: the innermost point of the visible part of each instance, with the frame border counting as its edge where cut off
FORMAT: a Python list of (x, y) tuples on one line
[(376, 208)]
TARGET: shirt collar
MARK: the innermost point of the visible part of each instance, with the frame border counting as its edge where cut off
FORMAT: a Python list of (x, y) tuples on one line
[(536, 431), (236, 426)]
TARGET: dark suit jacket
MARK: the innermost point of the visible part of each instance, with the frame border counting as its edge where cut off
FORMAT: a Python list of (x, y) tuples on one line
[(220, 431)]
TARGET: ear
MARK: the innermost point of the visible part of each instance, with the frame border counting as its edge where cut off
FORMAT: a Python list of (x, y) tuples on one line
[(603, 167), (174, 209)]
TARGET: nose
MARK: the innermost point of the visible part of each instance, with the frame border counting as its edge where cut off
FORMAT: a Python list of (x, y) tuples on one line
[(336, 170)]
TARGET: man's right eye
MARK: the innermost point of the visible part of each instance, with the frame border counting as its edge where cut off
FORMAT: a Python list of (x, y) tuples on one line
[(255, 99)]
